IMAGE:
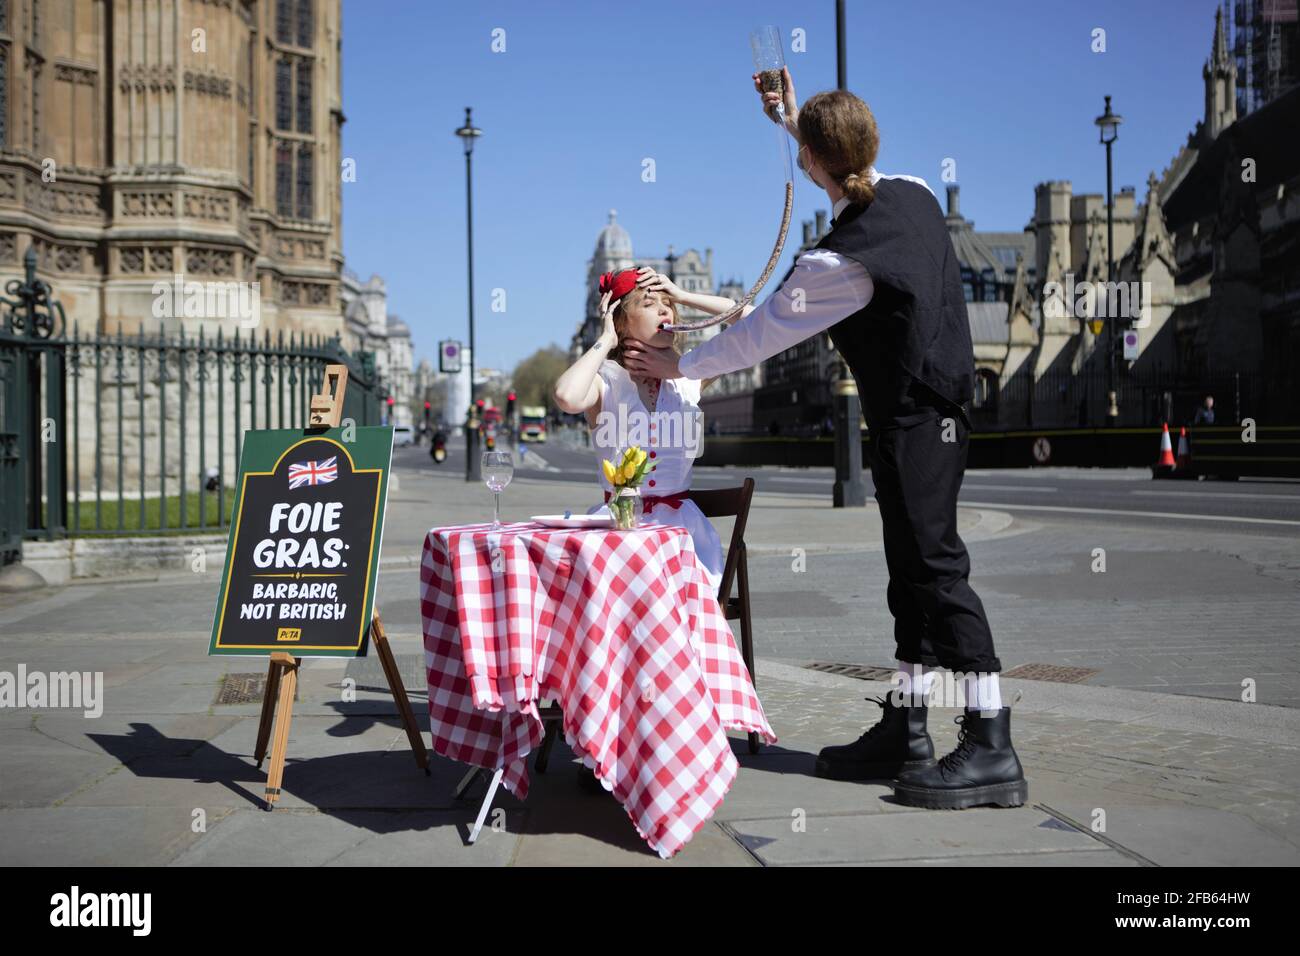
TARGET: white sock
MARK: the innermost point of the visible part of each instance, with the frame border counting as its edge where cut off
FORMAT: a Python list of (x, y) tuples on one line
[(910, 678), (988, 694)]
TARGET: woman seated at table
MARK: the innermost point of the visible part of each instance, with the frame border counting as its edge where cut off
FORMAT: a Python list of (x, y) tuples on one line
[(634, 304)]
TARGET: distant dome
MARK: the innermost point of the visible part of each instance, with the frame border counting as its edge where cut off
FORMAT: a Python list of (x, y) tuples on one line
[(613, 241)]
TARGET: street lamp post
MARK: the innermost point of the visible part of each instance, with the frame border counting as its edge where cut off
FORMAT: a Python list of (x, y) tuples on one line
[(1108, 124), (468, 133), (848, 490)]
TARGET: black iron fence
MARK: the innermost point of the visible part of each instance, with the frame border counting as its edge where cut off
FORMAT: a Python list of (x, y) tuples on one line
[(1062, 398), (117, 434), (156, 433)]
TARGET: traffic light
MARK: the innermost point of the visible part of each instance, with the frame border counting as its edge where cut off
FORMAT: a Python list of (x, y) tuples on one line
[(390, 401), (510, 404)]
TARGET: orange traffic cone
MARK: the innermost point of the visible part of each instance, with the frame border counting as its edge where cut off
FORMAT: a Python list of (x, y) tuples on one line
[(1184, 452), (1165, 463)]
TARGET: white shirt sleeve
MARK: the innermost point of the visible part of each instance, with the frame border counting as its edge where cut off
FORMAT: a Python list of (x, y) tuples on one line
[(824, 288)]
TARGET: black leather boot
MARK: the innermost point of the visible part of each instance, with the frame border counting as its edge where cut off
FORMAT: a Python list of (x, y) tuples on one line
[(898, 742), (983, 769)]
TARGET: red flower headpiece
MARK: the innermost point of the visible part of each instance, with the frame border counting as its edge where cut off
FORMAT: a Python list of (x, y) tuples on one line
[(618, 284)]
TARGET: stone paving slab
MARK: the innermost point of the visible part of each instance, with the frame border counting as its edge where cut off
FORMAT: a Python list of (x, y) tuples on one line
[(885, 838), (350, 837)]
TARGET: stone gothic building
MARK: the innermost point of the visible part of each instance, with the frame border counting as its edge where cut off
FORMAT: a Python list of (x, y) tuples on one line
[(142, 139), (372, 328), (155, 146), (1214, 248)]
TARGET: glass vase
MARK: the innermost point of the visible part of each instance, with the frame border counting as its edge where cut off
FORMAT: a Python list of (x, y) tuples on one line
[(626, 506)]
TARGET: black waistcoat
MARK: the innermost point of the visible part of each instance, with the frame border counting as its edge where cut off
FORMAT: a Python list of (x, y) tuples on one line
[(915, 328)]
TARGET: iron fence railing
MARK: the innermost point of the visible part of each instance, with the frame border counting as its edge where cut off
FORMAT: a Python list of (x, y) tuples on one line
[(156, 421), (1062, 398)]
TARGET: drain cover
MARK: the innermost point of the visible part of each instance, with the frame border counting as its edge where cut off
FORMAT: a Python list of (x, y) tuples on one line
[(860, 671), (1052, 672), (241, 689)]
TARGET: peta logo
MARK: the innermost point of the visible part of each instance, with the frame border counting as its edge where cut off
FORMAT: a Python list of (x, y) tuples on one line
[(102, 909)]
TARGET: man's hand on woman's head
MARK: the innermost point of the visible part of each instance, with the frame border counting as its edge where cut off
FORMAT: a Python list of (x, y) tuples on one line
[(646, 361)]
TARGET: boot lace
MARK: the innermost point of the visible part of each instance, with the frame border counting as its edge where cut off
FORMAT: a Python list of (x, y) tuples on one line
[(879, 725), (964, 750)]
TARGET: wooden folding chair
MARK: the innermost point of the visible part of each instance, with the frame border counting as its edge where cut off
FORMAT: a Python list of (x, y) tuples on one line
[(714, 503), (724, 503)]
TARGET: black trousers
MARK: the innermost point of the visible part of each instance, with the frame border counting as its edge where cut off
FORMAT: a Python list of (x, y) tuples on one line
[(938, 618)]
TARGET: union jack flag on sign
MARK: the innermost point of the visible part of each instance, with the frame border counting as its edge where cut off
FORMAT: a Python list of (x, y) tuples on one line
[(313, 472)]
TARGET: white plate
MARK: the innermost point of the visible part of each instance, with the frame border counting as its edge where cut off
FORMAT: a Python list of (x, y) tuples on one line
[(575, 521)]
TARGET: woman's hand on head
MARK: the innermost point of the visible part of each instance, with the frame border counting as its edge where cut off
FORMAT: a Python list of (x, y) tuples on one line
[(788, 100), (646, 361), (608, 333), (647, 278)]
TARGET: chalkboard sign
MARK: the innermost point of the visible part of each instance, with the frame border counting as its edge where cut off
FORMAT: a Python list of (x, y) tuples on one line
[(304, 543)]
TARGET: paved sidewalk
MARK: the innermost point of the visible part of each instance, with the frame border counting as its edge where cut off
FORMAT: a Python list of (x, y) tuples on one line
[(1178, 780), (1118, 776)]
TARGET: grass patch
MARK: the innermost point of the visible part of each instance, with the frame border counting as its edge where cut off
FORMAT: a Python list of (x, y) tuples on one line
[(81, 520)]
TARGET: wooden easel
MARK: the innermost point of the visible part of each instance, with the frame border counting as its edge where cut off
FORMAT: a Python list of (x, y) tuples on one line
[(324, 411)]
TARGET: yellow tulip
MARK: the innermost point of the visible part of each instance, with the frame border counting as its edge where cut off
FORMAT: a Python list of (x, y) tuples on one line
[(629, 471), (610, 473)]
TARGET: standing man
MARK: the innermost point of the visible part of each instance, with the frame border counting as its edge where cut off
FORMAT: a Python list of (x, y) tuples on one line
[(1205, 414), (886, 284)]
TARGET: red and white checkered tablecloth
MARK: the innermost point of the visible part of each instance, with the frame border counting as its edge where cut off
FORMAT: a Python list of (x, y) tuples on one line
[(622, 629)]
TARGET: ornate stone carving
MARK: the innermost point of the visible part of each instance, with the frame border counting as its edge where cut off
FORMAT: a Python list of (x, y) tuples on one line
[(205, 261), (148, 202), (298, 247), (71, 73), (292, 292), (130, 259), (207, 206), (65, 200), (208, 84), (58, 258), (153, 77), (8, 247), (160, 259)]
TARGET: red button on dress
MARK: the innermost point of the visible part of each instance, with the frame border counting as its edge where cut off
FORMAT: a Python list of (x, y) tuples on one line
[(652, 454), (652, 482)]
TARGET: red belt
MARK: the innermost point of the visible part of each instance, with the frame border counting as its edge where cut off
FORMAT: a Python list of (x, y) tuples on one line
[(649, 501)]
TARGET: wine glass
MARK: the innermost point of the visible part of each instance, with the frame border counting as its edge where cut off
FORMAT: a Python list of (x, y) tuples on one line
[(498, 469)]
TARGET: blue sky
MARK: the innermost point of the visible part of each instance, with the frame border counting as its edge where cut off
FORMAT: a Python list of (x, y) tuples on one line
[(585, 91)]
